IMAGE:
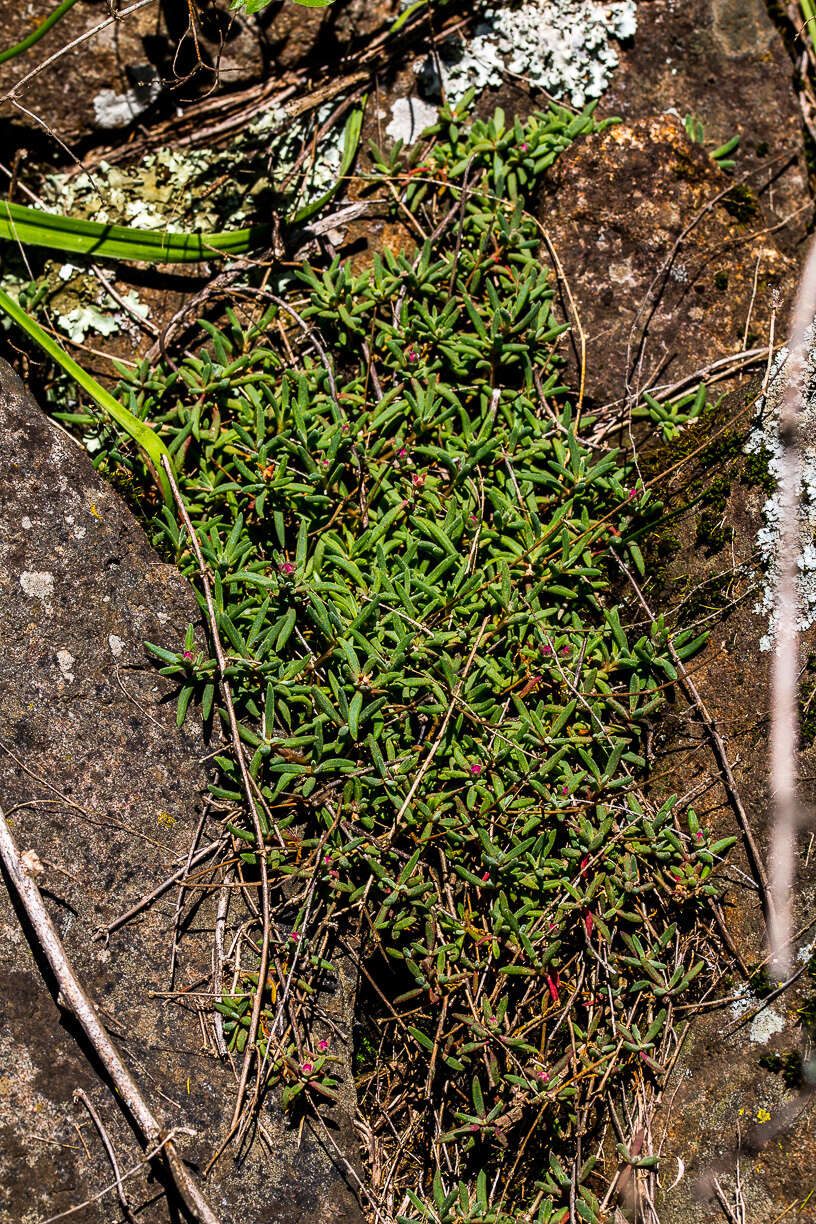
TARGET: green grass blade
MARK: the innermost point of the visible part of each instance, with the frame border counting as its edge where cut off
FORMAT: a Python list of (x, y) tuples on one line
[(36, 35), (351, 140), (34, 227), (142, 434)]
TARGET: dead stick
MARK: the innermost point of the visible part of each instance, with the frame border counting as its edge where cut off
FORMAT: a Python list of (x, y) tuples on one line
[(104, 931), (728, 780), (21, 870), (256, 820), (79, 1095)]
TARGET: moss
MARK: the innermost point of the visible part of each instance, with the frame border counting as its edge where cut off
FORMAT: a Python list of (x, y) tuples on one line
[(741, 203), (756, 472), (788, 1065)]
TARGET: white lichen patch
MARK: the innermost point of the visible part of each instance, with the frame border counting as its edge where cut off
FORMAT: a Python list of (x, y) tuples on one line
[(409, 118), (765, 1025), (115, 110), (116, 645), (37, 584), (65, 662), (567, 47), (764, 440)]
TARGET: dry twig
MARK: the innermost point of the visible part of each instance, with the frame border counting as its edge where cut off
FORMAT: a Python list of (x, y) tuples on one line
[(22, 869)]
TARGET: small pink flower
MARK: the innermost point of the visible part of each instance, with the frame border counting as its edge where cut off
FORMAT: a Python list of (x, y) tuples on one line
[(411, 356), (402, 452), (334, 875), (699, 835), (546, 649), (565, 650), (543, 1075), (287, 568), (307, 1068), (485, 877), (187, 654), (322, 1045), (345, 427), (326, 858), (524, 146), (419, 481), (475, 770), (632, 493), (294, 936), (325, 462), (564, 790)]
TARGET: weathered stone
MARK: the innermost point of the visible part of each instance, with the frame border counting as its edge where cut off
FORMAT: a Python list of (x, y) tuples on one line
[(727, 1103), (96, 778), (112, 79), (660, 248)]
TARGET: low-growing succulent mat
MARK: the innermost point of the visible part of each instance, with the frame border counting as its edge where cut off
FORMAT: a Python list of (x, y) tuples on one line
[(96, 778)]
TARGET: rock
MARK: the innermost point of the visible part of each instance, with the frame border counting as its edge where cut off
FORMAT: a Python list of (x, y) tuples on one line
[(732, 1097), (101, 786), (615, 206), (111, 80)]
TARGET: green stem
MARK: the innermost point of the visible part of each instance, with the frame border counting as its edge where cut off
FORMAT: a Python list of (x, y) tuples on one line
[(141, 433), (36, 35)]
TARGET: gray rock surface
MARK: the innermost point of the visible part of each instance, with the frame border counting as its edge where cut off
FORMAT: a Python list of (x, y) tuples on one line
[(97, 779), (111, 79), (620, 203)]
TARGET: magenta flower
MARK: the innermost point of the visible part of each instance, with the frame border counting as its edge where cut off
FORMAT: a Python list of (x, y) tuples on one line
[(402, 452), (699, 835), (411, 356), (187, 654), (524, 146), (546, 650), (345, 427), (543, 1075), (485, 877), (287, 568), (632, 493), (564, 790), (565, 650), (322, 1045), (475, 770), (294, 936), (307, 1068)]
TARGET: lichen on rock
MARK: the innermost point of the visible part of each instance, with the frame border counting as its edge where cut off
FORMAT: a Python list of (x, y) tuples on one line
[(764, 439), (565, 46)]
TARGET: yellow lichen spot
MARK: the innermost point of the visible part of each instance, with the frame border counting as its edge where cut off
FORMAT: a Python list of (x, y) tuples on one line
[(763, 1115), (741, 1112), (166, 819), (94, 511)]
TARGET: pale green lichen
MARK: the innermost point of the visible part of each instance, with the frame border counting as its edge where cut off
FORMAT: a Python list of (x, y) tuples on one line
[(565, 46), (207, 189)]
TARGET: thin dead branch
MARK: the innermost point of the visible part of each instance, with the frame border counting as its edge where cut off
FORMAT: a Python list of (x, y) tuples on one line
[(22, 870)]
